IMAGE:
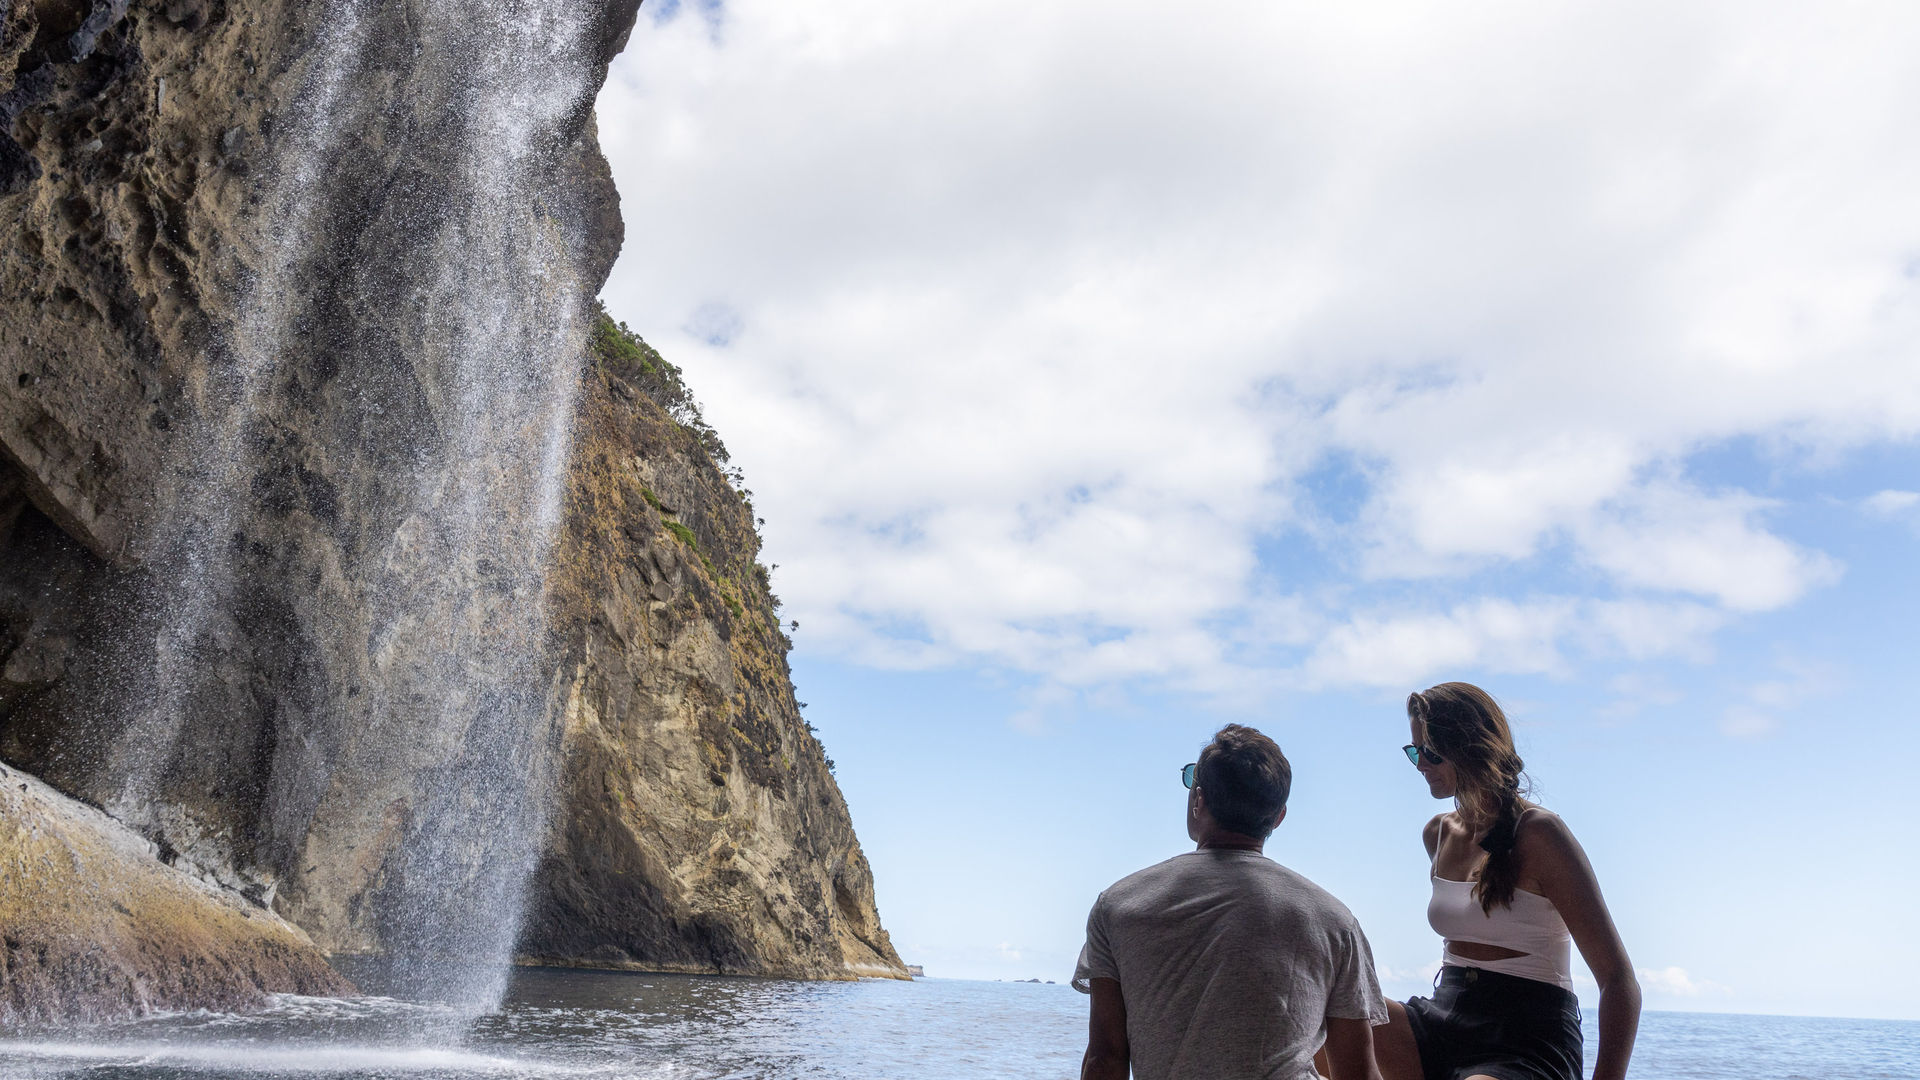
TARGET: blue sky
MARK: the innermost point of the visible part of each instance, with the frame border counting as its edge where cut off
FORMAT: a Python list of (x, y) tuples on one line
[(1107, 372)]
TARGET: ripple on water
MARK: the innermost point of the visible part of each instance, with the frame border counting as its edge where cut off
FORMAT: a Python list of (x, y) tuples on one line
[(364, 1038), (247, 1058), (677, 1027)]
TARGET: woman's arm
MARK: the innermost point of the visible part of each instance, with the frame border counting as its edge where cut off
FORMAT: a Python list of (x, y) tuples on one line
[(1553, 858)]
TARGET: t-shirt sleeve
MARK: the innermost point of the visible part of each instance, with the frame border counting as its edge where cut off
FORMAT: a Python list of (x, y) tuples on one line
[(1096, 956), (1355, 994)]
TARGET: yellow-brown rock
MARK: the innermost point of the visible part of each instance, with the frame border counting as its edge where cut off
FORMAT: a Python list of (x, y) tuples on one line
[(701, 830), (93, 926)]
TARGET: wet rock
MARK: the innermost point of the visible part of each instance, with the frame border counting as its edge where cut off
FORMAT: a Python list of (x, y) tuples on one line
[(94, 927), (38, 661)]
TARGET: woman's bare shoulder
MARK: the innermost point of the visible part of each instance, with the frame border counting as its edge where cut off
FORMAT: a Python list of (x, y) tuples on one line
[(1541, 834), (1540, 821)]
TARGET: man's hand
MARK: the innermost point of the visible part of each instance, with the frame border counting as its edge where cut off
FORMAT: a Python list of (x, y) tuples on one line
[(1349, 1050), (1107, 1056)]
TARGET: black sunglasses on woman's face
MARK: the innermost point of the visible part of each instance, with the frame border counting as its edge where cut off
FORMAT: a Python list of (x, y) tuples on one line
[(1415, 753)]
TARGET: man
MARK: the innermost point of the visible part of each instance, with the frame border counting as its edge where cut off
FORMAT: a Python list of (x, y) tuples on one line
[(1221, 964)]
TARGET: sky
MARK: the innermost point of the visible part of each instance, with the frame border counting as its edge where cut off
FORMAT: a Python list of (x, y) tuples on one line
[(1108, 372)]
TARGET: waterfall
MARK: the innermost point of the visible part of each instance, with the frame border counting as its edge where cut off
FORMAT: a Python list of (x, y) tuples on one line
[(417, 331), (477, 538), (188, 613)]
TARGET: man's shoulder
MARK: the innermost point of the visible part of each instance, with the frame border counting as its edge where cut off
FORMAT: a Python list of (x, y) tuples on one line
[(1227, 870), (1309, 894), (1147, 877)]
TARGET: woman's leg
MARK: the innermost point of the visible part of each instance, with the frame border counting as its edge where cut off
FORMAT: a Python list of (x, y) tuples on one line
[(1393, 1047)]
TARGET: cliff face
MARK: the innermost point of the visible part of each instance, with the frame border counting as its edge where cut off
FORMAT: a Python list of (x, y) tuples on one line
[(702, 830), (197, 188)]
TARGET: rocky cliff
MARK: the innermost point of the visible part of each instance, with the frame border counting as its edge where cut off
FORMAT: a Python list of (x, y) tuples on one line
[(703, 830), (254, 248)]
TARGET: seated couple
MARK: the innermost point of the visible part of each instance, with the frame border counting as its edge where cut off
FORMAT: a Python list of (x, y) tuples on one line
[(1221, 964)]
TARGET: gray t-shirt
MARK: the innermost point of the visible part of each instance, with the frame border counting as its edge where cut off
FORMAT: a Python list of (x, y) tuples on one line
[(1229, 964)]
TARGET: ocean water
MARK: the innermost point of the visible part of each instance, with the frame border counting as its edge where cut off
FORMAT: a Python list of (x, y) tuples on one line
[(666, 1027)]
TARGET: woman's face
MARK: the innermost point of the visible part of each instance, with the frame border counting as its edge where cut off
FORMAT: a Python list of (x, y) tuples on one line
[(1439, 778)]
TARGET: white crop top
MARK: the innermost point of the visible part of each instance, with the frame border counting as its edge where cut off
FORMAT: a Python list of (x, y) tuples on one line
[(1530, 925)]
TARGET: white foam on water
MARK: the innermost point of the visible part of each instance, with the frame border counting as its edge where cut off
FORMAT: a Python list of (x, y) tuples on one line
[(295, 1059), (285, 1059), (299, 1007)]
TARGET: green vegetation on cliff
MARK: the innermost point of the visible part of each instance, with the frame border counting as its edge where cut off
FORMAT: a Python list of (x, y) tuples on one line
[(618, 350), (702, 828)]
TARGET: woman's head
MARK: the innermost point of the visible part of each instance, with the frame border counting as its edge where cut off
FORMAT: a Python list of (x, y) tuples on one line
[(1478, 767), (1464, 727)]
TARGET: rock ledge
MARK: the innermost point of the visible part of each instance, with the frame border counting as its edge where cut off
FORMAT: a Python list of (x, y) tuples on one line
[(93, 926)]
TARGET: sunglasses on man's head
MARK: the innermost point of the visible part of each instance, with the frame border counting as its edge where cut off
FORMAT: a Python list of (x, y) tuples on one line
[(1415, 753), (1187, 772)]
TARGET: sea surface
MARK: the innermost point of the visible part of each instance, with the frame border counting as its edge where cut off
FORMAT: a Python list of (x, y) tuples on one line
[(590, 1024)]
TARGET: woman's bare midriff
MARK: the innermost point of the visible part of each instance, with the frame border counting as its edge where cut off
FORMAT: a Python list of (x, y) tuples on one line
[(1474, 950)]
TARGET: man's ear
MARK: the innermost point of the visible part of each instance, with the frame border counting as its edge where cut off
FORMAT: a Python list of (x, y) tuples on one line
[(1280, 817)]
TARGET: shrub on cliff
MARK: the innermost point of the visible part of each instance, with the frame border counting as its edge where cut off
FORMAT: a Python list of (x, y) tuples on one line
[(618, 351)]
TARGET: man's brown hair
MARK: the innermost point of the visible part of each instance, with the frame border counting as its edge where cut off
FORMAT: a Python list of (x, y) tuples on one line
[(1245, 780)]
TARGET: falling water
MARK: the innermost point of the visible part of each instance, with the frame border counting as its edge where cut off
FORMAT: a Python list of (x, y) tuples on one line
[(464, 582), (189, 610), (455, 723)]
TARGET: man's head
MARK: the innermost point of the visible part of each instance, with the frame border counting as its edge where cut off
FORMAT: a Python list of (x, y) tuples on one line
[(1242, 783)]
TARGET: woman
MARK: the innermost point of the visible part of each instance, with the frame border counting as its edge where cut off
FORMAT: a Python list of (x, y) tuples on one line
[(1511, 887)]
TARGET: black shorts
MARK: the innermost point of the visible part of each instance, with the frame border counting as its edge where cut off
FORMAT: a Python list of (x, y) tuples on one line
[(1497, 1025)]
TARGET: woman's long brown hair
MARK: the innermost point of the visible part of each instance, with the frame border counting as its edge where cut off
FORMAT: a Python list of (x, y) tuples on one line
[(1466, 727)]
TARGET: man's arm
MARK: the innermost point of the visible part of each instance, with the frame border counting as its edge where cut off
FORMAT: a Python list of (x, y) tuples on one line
[(1107, 1057), (1349, 1049)]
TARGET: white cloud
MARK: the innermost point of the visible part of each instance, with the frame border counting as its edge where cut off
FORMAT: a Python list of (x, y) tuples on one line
[(1534, 636), (1743, 721), (1422, 974), (1676, 982), (1644, 629), (1891, 503), (1031, 324), (1402, 650), (1764, 704), (1670, 538), (1634, 691)]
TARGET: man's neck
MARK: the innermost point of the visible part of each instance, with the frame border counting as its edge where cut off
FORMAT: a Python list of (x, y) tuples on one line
[(1230, 841)]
